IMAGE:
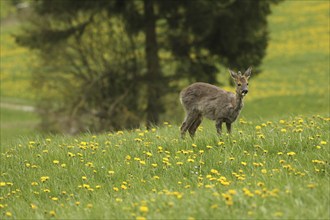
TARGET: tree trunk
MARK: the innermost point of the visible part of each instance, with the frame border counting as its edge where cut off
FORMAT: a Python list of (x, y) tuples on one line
[(153, 68)]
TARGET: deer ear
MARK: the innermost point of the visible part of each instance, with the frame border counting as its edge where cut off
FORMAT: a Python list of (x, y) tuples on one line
[(233, 74), (248, 72)]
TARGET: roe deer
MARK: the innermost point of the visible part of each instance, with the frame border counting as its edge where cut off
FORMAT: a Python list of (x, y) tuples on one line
[(203, 99)]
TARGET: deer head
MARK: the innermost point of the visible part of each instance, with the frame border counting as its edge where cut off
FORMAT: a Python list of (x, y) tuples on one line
[(241, 81)]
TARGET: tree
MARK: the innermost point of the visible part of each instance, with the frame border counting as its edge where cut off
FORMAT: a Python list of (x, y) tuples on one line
[(199, 35)]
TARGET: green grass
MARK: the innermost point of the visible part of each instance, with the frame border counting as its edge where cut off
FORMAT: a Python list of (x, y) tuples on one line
[(15, 124), (274, 166), (265, 170)]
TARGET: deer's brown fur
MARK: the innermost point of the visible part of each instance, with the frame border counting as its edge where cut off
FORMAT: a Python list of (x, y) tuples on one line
[(205, 100)]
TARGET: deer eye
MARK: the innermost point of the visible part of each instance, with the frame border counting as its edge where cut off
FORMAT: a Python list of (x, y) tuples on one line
[(247, 83)]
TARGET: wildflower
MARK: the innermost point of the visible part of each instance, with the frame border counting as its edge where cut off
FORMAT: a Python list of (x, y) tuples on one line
[(44, 178), (77, 203), (258, 127), (2, 184), (194, 145), (179, 163), (311, 185), (154, 165), (52, 213), (264, 171), (120, 133), (140, 218), (33, 206), (56, 162), (84, 177), (243, 163), (8, 214), (323, 143), (54, 198), (232, 192), (89, 205), (144, 209), (291, 153), (209, 147), (63, 165), (190, 160), (283, 130)]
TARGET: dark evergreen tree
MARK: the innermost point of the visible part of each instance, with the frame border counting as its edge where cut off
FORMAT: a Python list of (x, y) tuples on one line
[(109, 52)]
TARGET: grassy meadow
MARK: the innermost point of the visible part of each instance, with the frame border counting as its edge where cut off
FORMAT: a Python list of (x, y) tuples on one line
[(275, 165)]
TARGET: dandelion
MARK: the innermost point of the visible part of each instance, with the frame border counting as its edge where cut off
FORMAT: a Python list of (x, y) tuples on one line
[(55, 199), (179, 163), (56, 162), (8, 214), (44, 178), (89, 205), (140, 218), (323, 143), (209, 147), (311, 185), (243, 163), (291, 153), (283, 130), (144, 209), (84, 177), (52, 213)]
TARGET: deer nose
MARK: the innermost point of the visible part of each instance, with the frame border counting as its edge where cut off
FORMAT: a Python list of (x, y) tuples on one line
[(244, 91)]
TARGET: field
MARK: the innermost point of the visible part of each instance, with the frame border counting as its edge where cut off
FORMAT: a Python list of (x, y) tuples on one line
[(265, 170), (275, 165)]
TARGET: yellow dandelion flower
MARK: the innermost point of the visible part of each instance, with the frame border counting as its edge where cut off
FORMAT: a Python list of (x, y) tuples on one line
[(140, 218), (89, 205), (44, 178), (33, 206), (291, 153), (8, 214), (144, 209), (56, 162), (52, 213)]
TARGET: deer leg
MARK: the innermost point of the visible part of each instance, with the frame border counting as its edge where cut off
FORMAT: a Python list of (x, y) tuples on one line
[(190, 119), (218, 125), (192, 129), (228, 125)]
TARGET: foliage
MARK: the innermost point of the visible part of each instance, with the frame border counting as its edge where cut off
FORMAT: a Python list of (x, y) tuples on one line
[(265, 170), (190, 32)]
